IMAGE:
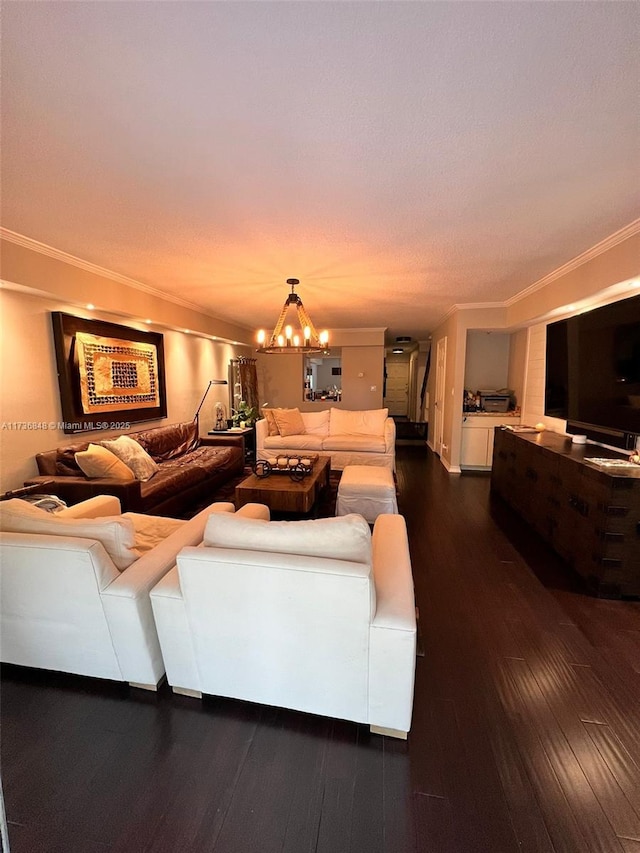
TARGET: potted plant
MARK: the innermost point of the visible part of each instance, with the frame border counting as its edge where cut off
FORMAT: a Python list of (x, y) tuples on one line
[(244, 415)]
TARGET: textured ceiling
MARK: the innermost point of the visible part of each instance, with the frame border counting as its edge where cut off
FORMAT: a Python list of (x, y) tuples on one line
[(395, 157)]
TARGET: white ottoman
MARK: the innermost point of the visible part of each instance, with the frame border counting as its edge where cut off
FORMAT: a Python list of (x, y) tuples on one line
[(368, 490)]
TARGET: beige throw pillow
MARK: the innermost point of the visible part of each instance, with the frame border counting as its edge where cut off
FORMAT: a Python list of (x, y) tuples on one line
[(115, 533), (133, 455), (289, 421), (97, 461), (272, 426)]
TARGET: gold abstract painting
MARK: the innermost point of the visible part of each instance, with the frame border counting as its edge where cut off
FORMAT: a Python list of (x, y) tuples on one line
[(116, 375)]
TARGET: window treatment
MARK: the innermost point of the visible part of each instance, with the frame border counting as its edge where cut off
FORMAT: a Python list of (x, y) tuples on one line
[(244, 382)]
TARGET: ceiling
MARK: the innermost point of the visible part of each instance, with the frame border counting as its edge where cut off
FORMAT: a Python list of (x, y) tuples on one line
[(397, 158)]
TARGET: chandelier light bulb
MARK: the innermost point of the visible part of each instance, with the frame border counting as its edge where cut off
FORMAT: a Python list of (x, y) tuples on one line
[(283, 339)]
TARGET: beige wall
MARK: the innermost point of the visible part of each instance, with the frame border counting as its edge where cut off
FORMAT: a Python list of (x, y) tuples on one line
[(518, 364), (487, 360), (604, 276), (280, 379), (36, 283), (590, 279), (75, 285), (29, 385)]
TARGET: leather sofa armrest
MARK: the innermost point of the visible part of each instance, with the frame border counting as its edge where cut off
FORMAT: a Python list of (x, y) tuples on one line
[(96, 507)]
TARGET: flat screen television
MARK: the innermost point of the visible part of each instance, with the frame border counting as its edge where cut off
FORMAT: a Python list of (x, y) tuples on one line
[(593, 373)]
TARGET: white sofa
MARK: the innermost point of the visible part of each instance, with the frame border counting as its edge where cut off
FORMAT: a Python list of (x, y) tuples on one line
[(348, 437), (315, 616), (67, 606)]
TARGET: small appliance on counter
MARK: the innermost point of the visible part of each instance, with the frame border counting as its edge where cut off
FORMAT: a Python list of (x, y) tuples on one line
[(495, 401)]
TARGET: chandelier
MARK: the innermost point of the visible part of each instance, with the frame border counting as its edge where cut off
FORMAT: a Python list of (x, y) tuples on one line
[(283, 338)]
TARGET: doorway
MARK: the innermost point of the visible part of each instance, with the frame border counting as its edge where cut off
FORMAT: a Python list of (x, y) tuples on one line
[(441, 366), (396, 397)]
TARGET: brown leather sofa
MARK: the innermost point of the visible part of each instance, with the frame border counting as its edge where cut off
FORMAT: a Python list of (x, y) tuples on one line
[(191, 468)]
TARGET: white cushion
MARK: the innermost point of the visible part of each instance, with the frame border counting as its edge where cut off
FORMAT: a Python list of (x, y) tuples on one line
[(97, 461), (365, 422), (151, 530), (293, 442), (367, 490), (359, 443), (316, 423), (346, 538), (133, 455), (115, 533), (366, 480)]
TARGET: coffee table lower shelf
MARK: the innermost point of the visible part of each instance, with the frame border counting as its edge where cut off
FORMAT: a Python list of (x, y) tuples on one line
[(281, 494)]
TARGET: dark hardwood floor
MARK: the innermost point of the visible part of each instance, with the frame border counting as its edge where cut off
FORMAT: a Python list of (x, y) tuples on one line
[(525, 737)]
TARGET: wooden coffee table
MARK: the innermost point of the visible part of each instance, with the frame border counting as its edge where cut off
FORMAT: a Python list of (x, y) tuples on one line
[(281, 494)]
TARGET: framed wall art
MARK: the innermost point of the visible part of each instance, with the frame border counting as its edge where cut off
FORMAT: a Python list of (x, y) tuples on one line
[(109, 375)]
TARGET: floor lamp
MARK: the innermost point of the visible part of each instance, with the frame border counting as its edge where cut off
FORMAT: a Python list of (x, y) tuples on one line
[(204, 396)]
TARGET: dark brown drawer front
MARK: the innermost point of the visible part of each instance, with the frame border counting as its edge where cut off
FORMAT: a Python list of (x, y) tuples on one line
[(588, 515)]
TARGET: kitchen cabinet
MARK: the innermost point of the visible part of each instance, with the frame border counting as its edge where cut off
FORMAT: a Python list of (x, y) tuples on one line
[(476, 453)]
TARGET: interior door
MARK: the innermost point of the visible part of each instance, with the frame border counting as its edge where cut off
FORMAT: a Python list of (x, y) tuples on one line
[(441, 366), (397, 388)]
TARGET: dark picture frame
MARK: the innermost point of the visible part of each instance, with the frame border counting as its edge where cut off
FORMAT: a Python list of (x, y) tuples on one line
[(126, 348)]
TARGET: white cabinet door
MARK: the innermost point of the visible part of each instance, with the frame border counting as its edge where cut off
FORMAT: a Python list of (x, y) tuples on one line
[(477, 439), (474, 447)]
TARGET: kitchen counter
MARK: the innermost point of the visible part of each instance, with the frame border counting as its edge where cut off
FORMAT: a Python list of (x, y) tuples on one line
[(507, 415)]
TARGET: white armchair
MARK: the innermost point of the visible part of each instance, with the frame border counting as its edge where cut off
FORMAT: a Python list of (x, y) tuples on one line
[(316, 616), (75, 586)]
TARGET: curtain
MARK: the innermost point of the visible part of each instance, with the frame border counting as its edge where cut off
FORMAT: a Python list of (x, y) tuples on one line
[(245, 381)]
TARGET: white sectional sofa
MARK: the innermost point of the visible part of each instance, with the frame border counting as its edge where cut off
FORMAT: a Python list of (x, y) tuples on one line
[(315, 616), (349, 437)]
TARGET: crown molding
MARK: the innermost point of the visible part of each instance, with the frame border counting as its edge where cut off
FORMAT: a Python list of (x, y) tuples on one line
[(358, 329), (87, 266), (473, 306), (614, 239)]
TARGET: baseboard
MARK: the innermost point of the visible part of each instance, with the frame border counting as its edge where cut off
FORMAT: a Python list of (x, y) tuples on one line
[(451, 469)]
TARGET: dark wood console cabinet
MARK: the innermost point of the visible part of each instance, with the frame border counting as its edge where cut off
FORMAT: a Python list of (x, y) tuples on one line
[(589, 515)]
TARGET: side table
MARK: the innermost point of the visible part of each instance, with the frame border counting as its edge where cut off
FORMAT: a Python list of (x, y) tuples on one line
[(248, 436)]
